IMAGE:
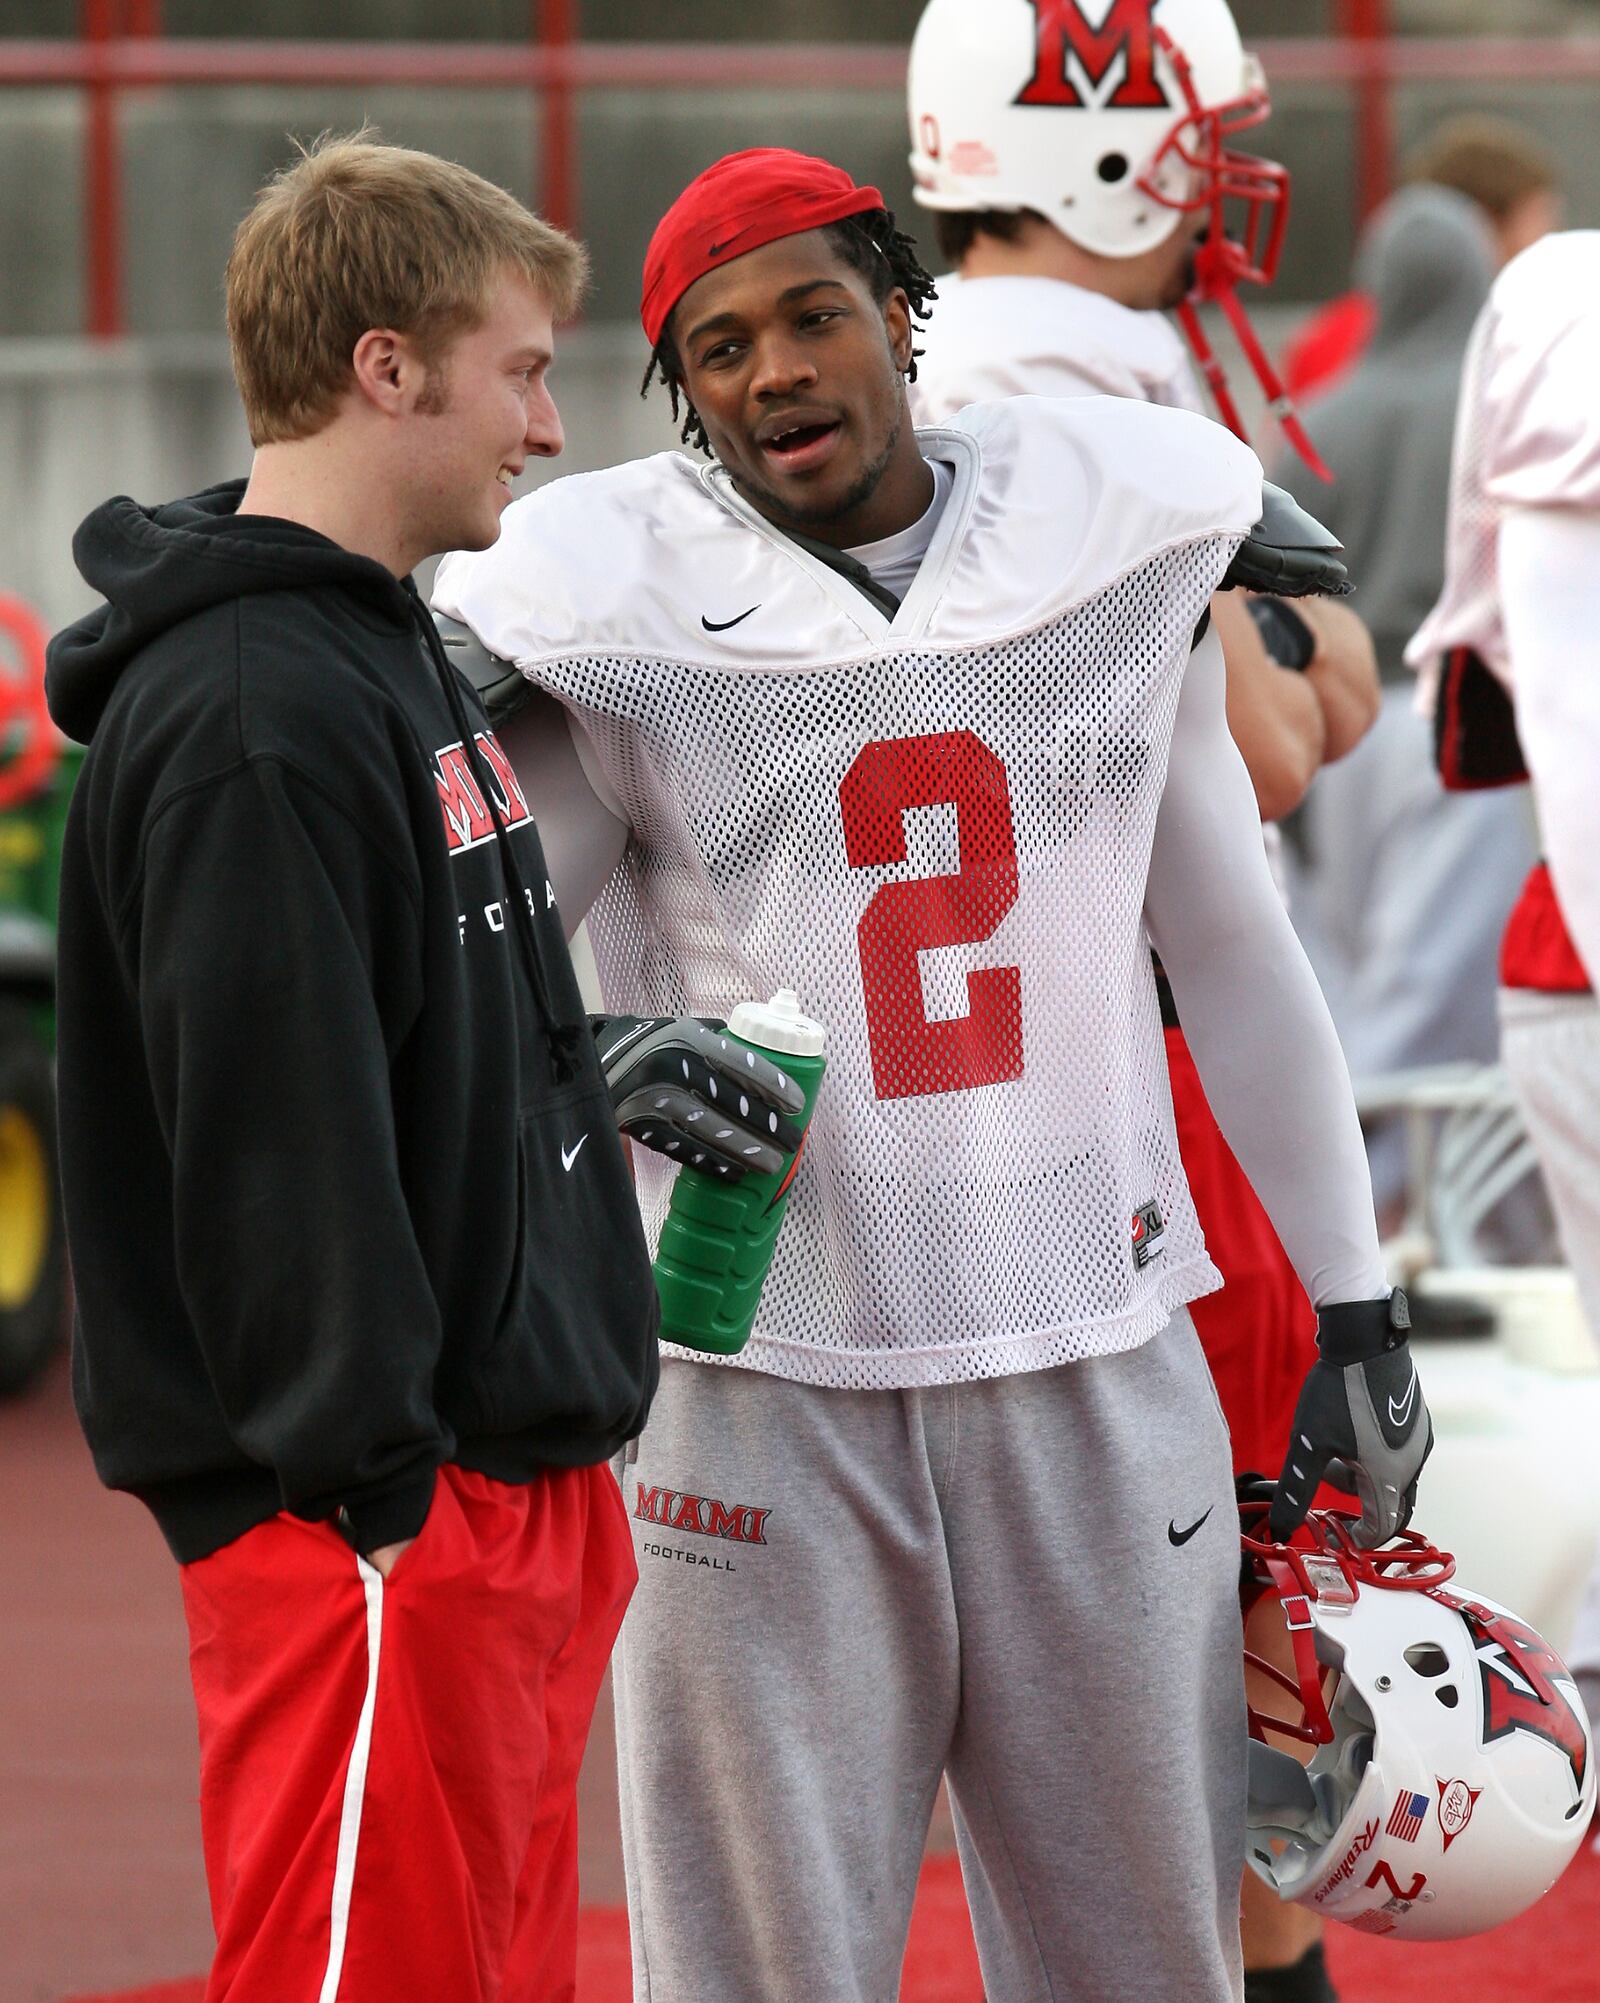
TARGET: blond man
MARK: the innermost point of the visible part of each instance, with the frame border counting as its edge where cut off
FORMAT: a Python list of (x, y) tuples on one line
[(364, 1305)]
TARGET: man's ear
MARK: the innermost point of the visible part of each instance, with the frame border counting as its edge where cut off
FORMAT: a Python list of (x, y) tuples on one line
[(897, 324), (389, 374)]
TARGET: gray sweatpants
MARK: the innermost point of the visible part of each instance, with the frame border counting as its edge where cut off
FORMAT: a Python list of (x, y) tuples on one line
[(1029, 1583)]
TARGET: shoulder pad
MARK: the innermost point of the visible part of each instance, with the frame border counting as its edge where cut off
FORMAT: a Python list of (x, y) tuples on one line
[(501, 688), (1288, 553)]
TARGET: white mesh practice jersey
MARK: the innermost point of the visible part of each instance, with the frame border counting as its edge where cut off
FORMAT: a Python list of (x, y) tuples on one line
[(1004, 336), (1025, 336), (1527, 435), (936, 829)]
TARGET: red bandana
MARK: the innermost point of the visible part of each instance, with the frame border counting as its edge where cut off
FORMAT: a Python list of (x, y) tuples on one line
[(744, 201)]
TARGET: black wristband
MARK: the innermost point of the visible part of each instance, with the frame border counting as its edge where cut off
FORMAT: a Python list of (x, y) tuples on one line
[(1285, 634), (1357, 1331)]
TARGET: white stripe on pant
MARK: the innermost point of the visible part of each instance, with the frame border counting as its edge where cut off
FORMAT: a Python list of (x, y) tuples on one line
[(355, 1789)]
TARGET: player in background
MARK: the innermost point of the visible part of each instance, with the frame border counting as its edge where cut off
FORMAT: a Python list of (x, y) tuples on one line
[(1508, 657), (1037, 141), (1402, 889), (922, 724), (1508, 177), (1045, 150)]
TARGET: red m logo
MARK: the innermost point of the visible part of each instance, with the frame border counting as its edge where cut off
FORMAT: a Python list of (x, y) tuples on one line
[(1062, 29), (467, 820), (1516, 1669), (466, 814)]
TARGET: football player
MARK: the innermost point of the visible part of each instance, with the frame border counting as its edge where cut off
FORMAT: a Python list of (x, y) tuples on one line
[(1507, 659), (1082, 184), (929, 726)]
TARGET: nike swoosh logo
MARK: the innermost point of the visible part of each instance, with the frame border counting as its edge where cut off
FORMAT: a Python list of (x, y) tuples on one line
[(1398, 1414), (1175, 1536), (722, 625), (568, 1158), (622, 1043)]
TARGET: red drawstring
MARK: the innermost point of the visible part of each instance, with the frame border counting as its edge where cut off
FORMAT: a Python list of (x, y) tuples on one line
[(1278, 401)]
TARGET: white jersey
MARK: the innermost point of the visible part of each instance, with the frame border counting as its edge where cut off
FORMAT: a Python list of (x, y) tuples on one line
[(1004, 336), (1527, 435), (1522, 578), (937, 829)]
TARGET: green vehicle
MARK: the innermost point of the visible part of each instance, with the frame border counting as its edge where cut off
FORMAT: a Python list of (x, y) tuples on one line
[(36, 776)]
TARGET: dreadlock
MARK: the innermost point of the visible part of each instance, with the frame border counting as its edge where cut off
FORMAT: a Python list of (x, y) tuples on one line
[(873, 247)]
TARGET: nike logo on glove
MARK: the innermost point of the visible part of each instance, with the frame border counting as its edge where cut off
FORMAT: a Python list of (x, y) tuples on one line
[(1175, 1536), (1398, 1414), (567, 1159), (633, 1035), (722, 625)]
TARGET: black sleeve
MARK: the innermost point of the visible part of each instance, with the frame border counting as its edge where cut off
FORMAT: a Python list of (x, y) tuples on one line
[(277, 955)]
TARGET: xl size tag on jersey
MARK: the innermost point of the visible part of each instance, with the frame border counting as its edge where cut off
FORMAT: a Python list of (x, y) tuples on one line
[(1148, 1230)]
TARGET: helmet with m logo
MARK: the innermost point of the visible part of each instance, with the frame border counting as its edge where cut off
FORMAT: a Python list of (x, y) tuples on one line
[(1114, 120)]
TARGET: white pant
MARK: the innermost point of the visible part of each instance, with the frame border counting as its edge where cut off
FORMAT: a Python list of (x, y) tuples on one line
[(1550, 1045), (1030, 1582)]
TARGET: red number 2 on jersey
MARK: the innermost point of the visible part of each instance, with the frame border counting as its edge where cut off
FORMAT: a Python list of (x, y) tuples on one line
[(910, 1054)]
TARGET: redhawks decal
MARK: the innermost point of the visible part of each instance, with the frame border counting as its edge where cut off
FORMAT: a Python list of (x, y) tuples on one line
[(1516, 1668), (1062, 29), (467, 820)]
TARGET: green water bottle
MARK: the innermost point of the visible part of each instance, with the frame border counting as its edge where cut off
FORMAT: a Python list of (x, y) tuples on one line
[(718, 1240)]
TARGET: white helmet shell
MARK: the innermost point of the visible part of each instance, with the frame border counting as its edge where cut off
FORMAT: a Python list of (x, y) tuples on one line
[(1459, 1780), (1069, 107)]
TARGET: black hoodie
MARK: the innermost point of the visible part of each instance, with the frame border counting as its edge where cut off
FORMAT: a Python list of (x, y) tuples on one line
[(344, 1194)]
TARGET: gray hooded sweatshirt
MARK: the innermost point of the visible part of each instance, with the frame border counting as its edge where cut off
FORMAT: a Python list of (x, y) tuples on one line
[(1386, 431)]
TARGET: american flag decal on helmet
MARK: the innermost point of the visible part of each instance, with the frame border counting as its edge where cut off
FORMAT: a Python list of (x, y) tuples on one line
[(1407, 1816)]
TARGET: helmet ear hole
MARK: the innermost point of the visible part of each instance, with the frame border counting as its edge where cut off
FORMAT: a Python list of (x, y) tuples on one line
[(1448, 1695), (1112, 167), (1427, 1658)]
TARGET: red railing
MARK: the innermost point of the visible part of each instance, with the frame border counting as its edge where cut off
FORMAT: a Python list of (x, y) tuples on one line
[(121, 49)]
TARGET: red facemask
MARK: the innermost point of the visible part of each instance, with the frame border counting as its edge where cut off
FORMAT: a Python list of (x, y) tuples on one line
[(1321, 1562), (1256, 194)]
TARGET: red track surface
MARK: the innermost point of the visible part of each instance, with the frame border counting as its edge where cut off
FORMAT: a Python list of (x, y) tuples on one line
[(100, 1877)]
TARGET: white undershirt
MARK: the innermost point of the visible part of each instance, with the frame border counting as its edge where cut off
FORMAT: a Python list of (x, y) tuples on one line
[(895, 560)]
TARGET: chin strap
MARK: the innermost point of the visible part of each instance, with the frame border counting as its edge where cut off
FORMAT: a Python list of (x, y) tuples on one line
[(1307, 1684), (1322, 1563), (1278, 401)]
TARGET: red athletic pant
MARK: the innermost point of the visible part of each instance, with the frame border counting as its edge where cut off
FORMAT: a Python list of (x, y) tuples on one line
[(388, 1768), (1260, 1333)]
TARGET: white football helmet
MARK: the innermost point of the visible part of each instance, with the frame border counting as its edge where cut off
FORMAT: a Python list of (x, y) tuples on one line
[(1111, 119), (1453, 1777), (1112, 131)]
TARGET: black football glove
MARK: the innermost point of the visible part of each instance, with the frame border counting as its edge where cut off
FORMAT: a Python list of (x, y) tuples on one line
[(680, 1086), (1288, 554), (1361, 1422)]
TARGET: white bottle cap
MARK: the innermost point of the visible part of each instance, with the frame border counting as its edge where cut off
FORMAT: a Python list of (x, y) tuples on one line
[(778, 1025)]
